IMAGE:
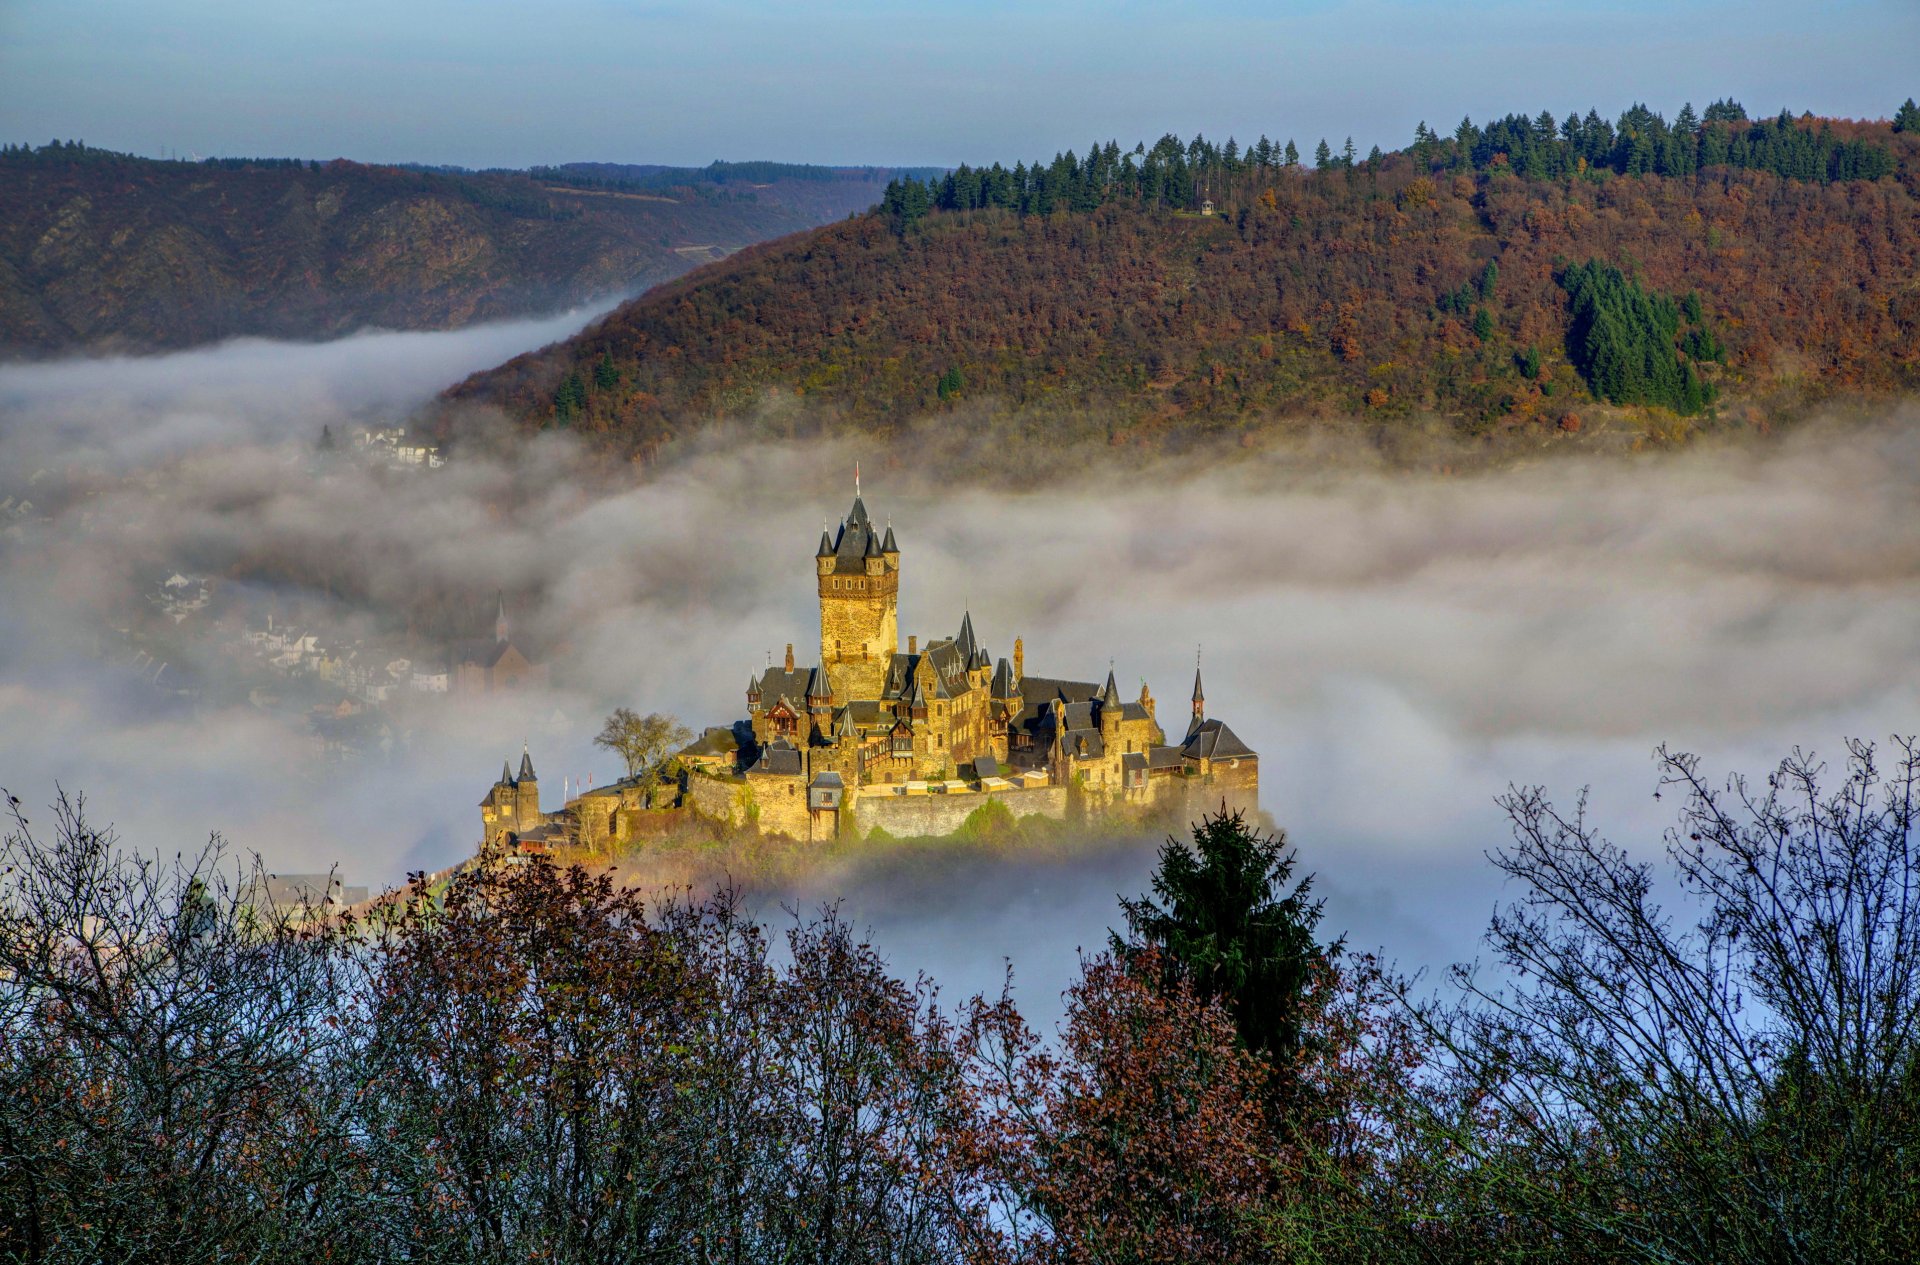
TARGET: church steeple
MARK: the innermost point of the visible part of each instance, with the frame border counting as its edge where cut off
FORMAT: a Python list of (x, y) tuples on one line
[(500, 629), (1199, 695)]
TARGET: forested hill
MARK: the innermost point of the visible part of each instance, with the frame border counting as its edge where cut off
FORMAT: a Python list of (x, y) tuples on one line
[(103, 251), (1528, 274)]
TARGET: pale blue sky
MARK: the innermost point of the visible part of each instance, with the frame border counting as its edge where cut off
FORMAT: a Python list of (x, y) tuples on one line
[(512, 82)]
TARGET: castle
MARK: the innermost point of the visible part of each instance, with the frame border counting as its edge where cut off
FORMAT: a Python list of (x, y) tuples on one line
[(912, 742)]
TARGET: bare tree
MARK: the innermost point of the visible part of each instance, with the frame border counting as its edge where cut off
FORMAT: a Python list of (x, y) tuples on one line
[(175, 1082), (1737, 1079), (641, 741)]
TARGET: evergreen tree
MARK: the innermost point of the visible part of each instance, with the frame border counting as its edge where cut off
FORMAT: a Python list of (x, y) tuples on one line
[(1482, 325), (569, 398), (605, 375), (1907, 117), (1322, 154), (1293, 153), (1222, 920), (1626, 342)]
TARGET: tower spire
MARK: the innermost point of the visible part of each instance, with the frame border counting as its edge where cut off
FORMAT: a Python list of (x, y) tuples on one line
[(500, 629), (856, 480), (1199, 694)]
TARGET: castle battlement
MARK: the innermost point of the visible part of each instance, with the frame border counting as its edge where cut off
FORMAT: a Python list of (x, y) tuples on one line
[(871, 736)]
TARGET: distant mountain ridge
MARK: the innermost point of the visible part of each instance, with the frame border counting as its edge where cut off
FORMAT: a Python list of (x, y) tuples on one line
[(108, 252), (1505, 279)]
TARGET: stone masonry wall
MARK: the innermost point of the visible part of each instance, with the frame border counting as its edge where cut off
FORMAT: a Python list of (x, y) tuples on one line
[(912, 816)]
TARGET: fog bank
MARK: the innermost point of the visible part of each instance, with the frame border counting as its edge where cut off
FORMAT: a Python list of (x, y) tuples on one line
[(1398, 648)]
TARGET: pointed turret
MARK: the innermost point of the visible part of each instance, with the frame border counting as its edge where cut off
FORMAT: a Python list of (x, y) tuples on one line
[(526, 766), (1110, 692), (1199, 699), (1002, 686), (965, 643), (500, 628), (888, 546), (506, 773), (826, 545)]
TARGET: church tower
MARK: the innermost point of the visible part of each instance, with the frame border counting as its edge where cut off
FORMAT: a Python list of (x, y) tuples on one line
[(859, 575)]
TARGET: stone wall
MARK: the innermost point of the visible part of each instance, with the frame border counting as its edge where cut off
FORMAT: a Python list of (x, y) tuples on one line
[(781, 804), (721, 799), (913, 816)]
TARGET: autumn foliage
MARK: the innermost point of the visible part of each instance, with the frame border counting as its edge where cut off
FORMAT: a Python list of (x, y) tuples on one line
[(1338, 292), (528, 1063)]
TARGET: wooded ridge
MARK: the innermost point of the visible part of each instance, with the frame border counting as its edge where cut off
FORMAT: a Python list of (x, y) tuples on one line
[(1504, 277), (106, 251)]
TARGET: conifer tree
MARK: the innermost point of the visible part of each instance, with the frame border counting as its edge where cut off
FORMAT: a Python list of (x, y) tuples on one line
[(1221, 919)]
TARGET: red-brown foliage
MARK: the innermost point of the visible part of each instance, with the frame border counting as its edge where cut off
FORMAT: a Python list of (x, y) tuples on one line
[(1318, 296)]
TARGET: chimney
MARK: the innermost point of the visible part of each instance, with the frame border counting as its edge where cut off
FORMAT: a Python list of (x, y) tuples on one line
[(789, 656), (1019, 660), (913, 643)]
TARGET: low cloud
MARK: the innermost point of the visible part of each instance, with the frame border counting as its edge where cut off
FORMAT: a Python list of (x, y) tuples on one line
[(1398, 647)]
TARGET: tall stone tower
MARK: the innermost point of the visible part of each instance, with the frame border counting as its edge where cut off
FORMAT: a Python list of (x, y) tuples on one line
[(859, 574)]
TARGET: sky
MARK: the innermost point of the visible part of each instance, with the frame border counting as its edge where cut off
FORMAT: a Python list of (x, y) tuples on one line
[(505, 82)]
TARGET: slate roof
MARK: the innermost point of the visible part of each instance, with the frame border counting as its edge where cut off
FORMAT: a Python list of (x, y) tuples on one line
[(966, 642), (1212, 740), (482, 652), (780, 758), (715, 741), (1163, 757), (856, 542), (1095, 746), (1002, 684), (949, 672), (526, 768), (1133, 761), (828, 779), (986, 766), (777, 683)]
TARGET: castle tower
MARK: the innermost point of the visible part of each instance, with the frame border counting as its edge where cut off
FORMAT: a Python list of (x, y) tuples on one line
[(526, 794), (1110, 712), (859, 578)]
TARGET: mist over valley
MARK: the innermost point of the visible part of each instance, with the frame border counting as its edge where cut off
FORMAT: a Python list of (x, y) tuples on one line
[(1397, 647)]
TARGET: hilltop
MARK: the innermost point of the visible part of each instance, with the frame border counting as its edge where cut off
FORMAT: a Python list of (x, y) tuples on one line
[(1528, 277), (106, 251)]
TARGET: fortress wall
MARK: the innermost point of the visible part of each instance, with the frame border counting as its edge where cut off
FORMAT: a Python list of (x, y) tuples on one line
[(1191, 798), (782, 802), (911, 816), (720, 799)]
